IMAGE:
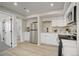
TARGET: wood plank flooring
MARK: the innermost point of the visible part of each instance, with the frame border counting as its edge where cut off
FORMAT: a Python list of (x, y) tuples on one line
[(29, 49)]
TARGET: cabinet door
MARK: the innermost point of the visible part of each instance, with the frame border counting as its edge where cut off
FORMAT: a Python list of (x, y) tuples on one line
[(7, 31), (69, 48)]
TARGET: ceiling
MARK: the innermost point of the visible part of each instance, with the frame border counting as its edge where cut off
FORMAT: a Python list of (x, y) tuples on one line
[(34, 7)]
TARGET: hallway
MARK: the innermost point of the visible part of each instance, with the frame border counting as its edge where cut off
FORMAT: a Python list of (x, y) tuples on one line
[(28, 49)]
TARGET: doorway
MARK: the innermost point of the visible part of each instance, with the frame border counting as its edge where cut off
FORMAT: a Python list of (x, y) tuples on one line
[(19, 30)]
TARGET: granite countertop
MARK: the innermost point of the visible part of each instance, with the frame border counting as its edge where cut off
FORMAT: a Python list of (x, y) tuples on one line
[(68, 36)]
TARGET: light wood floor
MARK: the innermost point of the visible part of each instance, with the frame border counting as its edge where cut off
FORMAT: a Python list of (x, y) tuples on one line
[(28, 49)]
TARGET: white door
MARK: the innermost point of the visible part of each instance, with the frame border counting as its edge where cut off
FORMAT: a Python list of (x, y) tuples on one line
[(7, 31)]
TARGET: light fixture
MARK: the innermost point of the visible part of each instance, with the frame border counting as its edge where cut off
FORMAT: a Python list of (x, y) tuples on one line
[(51, 4), (27, 10), (15, 3)]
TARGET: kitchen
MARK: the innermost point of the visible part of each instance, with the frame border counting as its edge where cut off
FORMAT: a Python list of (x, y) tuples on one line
[(54, 26), (44, 24)]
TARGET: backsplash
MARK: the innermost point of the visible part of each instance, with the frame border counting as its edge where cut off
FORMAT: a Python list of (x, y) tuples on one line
[(73, 29), (70, 29)]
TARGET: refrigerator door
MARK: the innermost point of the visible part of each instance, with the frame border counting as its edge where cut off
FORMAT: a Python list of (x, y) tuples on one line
[(34, 33)]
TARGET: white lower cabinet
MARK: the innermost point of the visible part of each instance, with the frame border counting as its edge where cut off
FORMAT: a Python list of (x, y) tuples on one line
[(69, 48), (49, 38)]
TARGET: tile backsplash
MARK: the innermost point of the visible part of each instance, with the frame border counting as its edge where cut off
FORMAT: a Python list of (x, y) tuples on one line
[(71, 29)]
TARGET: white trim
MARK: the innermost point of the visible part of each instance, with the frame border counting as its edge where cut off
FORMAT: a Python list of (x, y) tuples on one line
[(6, 13), (38, 20), (60, 12)]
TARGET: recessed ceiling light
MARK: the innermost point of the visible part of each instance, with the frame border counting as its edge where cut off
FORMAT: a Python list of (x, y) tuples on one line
[(27, 10), (15, 3), (51, 4)]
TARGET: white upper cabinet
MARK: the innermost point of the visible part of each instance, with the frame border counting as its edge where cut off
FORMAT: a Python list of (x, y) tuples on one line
[(69, 12), (58, 21)]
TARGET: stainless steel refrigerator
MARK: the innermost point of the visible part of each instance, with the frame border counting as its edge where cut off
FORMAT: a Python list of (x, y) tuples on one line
[(34, 33)]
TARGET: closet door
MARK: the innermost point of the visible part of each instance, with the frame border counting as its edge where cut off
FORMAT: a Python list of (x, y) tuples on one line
[(8, 31)]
